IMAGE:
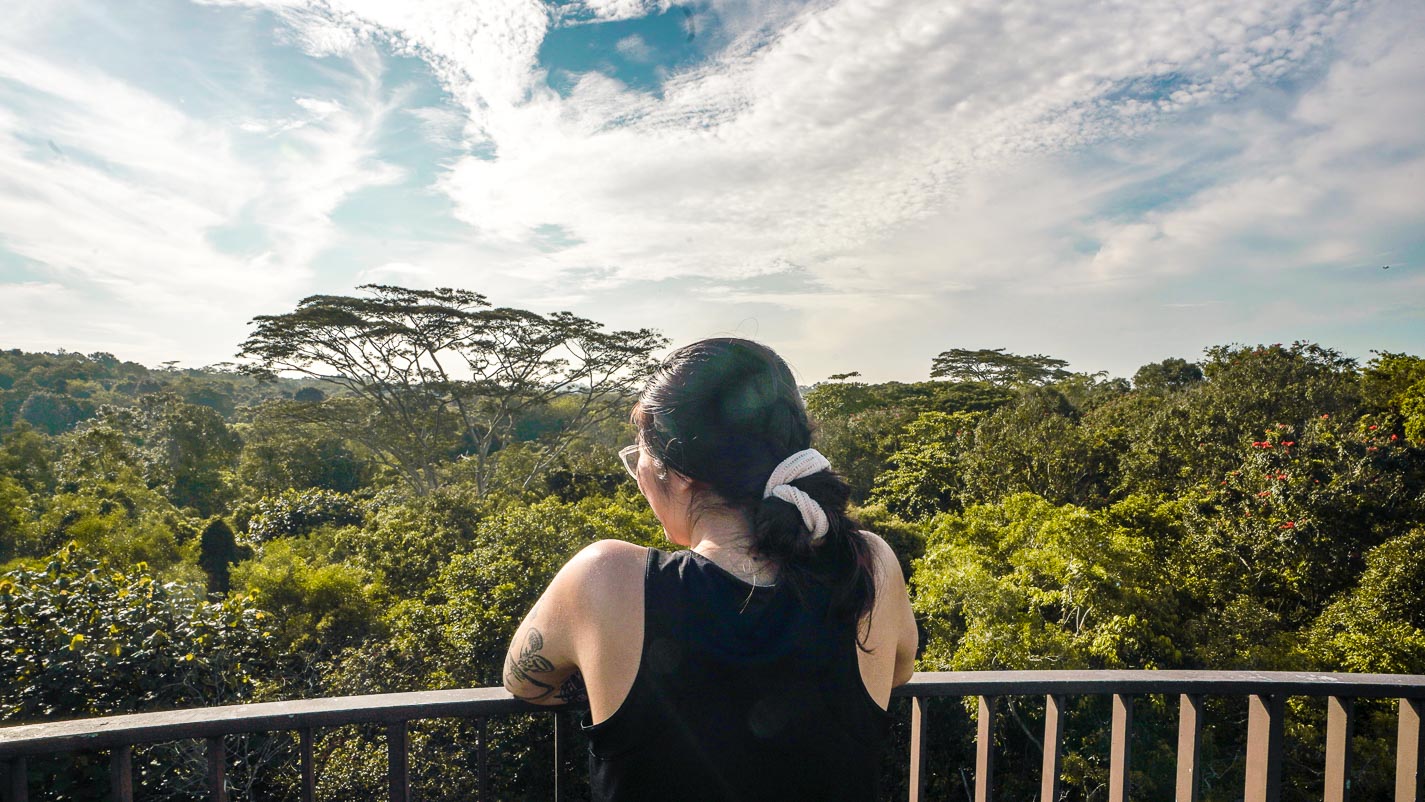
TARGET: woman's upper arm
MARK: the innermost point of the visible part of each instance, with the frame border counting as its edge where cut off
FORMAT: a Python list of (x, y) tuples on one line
[(543, 659), (896, 601)]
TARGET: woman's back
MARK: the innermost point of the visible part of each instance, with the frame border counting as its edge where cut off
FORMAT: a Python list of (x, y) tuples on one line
[(741, 693), (701, 684)]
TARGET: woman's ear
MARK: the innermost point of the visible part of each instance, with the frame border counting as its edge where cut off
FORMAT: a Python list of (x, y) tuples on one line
[(678, 481)]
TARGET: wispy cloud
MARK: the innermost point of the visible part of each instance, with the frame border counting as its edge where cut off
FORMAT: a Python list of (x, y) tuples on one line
[(125, 197), (976, 173), (856, 120)]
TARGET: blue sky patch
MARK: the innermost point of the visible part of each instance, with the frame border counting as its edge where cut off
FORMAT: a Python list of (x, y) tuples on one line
[(15, 268), (639, 53)]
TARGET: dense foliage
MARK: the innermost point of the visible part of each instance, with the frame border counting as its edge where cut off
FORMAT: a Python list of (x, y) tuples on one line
[(175, 538)]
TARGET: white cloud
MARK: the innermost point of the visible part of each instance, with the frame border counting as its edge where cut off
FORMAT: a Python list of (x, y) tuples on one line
[(856, 120), (912, 151), (612, 10), (908, 156), (634, 48), (1325, 181), (116, 194), (319, 108)]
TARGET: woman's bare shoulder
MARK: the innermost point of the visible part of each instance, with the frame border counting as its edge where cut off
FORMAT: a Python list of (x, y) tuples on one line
[(607, 569), (886, 561)]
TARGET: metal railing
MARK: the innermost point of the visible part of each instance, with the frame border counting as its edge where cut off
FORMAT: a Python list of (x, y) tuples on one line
[(1265, 692)]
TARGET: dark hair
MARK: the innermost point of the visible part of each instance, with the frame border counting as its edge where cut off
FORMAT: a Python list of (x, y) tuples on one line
[(724, 412)]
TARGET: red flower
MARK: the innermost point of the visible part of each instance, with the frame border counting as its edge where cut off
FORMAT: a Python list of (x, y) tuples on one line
[(1373, 428), (1289, 525), (1370, 448), (1264, 493), (1288, 443), (1324, 417), (1394, 438)]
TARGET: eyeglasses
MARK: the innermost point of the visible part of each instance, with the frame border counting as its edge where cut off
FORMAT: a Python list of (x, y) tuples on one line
[(628, 455)]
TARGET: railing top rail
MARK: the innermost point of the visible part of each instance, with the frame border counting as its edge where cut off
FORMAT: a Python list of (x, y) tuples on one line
[(205, 722), (109, 731), (1209, 683)]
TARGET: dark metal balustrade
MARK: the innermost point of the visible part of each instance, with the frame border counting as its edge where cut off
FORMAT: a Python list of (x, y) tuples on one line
[(1265, 692)]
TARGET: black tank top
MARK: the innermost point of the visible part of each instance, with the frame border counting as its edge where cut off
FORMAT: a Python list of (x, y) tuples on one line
[(741, 694)]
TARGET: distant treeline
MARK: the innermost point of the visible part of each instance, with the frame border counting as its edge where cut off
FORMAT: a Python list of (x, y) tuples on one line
[(54, 392)]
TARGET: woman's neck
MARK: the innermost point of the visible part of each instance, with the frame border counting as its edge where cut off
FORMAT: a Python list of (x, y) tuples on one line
[(726, 540)]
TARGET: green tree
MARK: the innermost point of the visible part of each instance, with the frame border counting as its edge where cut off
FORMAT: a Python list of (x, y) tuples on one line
[(122, 522), (1388, 378), (1037, 446), (78, 639), (923, 477), (1395, 383), (1285, 530), (217, 552), (997, 367), (401, 356), (182, 449), (16, 538), (1197, 433), (319, 606), (277, 455), (1167, 377), (1379, 625), (51, 412), (1025, 584), (296, 512), (195, 448), (859, 426), (29, 457)]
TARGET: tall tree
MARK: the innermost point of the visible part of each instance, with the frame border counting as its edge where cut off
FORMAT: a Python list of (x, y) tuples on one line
[(997, 366), (431, 374), (1168, 376)]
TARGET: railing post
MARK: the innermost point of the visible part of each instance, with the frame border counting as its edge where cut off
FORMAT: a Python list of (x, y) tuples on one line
[(1340, 721), (1121, 748), (121, 774), (560, 748), (1189, 739), (985, 751), (398, 779), (482, 769), (306, 747), (217, 770), (17, 784), (1053, 747), (1410, 753), (918, 722), (1264, 747)]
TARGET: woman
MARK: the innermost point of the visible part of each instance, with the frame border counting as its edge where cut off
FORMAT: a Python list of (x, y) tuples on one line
[(757, 663)]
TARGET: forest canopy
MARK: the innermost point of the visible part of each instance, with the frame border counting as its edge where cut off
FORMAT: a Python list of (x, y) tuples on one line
[(374, 499)]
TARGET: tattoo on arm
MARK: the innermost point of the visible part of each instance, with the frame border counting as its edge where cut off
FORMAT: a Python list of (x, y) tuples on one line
[(573, 690), (518, 670)]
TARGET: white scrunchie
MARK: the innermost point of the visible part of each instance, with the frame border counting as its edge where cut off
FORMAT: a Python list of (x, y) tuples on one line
[(802, 463)]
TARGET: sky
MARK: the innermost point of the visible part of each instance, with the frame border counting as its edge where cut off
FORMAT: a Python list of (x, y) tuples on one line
[(861, 184)]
